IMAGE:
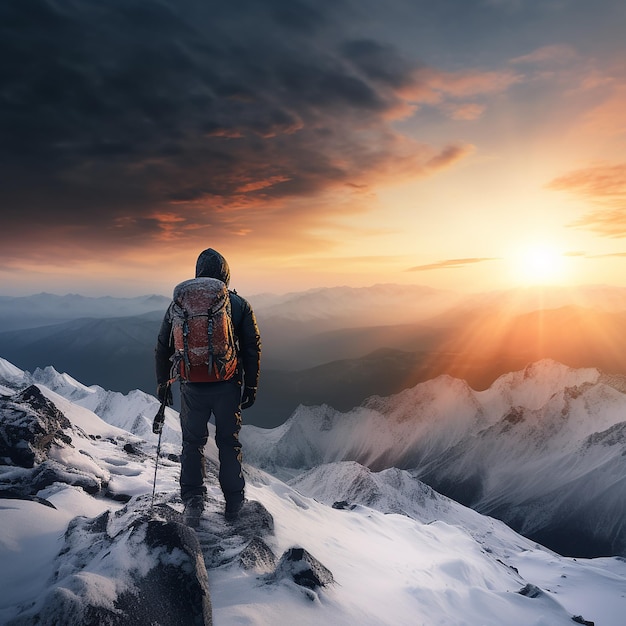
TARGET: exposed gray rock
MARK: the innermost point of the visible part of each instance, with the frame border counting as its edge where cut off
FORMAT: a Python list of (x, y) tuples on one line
[(223, 542), (254, 519), (30, 425), (50, 472), (531, 591), (162, 580), (303, 568), (343, 505), (257, 556), (32, 429)]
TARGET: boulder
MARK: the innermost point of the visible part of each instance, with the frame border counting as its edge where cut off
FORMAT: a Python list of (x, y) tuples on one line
[(30, 425), (150, 572), (303, 569)]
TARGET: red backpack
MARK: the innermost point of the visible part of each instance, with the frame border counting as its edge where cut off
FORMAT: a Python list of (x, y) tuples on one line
[(205, 348)]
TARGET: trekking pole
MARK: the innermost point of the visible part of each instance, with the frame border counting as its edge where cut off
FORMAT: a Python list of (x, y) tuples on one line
[(157, 427)]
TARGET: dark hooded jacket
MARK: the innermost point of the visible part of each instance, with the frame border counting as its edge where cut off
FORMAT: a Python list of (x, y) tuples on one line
[(213, 265)]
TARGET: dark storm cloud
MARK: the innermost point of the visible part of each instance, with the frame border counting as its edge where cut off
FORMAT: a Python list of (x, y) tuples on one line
[(379, 62), (113, 112)]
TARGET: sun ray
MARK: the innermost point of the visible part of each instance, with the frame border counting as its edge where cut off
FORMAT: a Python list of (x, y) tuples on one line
[(539, 264)]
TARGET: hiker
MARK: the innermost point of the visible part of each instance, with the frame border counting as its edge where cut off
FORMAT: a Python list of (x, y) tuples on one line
[(224, 386)]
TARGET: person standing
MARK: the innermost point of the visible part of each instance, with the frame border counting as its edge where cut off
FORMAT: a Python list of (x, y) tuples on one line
[(225, 386)]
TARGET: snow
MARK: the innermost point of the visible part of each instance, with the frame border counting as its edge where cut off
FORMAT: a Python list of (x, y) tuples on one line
[(533, 386), (399, 552), (587, 587), (31, 536), (9, 377), (543, 448), (391, 569), (8, 371), (432, 416)]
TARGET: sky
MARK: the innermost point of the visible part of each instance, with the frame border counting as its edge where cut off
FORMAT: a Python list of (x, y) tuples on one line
[(469, 145)]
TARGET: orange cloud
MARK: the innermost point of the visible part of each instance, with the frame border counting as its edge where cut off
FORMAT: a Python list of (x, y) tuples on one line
[(448, 156), (607, 118), (605, 187), (443, 89), (584, 255), (609, 255), (465, 111), (599, 182), (258, 185), (451, 263), (432, 86)]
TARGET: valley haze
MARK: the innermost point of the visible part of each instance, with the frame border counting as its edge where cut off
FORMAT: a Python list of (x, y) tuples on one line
[(334, 346)]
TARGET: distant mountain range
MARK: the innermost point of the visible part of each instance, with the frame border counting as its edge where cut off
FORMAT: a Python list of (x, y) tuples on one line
[(44, 309), (336, 346), (543, 449), (116, 350)]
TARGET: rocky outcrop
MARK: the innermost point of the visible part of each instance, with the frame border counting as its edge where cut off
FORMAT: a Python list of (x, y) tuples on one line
[(41, 443), (30, 426), (161, 579)]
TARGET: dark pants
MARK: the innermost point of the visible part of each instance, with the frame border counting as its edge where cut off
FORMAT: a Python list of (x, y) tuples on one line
[(198, 402)]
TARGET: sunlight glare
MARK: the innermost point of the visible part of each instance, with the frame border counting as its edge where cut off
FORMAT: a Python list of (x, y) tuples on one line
[(539, 264)]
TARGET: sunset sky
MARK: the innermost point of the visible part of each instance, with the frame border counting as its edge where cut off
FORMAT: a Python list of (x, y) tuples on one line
[(462, 144)]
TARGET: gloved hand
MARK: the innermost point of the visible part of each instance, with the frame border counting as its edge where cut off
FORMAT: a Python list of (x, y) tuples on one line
[(248, 397), (159, 420), (164, 393)]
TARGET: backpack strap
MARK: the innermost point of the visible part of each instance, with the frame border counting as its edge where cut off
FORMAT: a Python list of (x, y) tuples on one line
[(210, 338), (186, 341)]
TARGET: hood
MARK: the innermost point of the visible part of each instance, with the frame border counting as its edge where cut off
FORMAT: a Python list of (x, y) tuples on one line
[(213, 265)]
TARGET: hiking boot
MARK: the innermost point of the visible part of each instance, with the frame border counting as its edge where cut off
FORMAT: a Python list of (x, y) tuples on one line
[(193, 511), (232, 510)]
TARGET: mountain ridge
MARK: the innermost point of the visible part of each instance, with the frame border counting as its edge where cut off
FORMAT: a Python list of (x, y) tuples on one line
[(531, 450), (312, 355), (395, 550)]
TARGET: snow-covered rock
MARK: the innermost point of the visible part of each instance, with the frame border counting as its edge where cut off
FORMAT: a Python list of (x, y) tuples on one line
[(150, 572), (133, 412)]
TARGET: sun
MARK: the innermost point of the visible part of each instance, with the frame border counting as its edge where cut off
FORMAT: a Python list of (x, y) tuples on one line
[(539, 264)]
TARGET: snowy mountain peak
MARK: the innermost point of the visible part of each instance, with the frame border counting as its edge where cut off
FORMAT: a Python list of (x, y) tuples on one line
[(9, 373), (92, 550), (533, 386), (63, 384), (534, 449)]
